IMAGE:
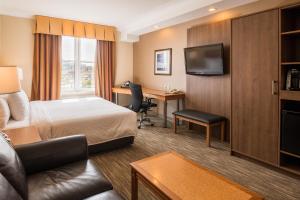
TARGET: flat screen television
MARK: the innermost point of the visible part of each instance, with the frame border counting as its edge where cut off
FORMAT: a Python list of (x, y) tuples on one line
[(204, 60)]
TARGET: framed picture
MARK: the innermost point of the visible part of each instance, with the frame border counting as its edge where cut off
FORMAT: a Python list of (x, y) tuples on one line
[(163, 62)]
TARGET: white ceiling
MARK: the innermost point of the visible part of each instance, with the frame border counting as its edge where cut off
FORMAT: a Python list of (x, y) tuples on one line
[(131, 17)]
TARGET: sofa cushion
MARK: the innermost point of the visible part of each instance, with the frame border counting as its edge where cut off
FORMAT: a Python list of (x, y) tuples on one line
[(7, 191), (73, 181), (52, 153), (108, 195), (11, 168)]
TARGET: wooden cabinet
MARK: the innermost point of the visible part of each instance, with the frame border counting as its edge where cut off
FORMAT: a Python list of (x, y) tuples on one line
[(255, 101)]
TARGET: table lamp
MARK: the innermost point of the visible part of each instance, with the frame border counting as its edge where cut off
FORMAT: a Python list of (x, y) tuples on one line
[(9, 81)]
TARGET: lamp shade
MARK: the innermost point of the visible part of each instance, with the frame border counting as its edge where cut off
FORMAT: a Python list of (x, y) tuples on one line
[(9, 80)]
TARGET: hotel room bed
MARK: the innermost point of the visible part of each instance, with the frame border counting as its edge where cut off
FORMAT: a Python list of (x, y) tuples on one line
[(100, 120)]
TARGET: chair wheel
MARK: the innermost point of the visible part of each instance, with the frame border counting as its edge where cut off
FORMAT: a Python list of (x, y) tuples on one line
[(139, 127), (152, 124)]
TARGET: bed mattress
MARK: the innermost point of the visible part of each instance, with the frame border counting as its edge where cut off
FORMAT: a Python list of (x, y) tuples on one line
[(98, 119), (12, 124)]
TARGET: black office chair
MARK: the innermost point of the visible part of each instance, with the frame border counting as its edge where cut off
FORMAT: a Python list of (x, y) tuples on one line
[(139, 105)]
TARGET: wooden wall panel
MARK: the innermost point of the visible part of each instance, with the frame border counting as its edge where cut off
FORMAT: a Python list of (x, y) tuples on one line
[(254, 66), (211, 93)]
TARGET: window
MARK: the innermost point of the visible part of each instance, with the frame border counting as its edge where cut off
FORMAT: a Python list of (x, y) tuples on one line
[(78, 59)]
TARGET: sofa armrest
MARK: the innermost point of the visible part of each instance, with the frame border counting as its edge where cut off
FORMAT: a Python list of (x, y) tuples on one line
[(52, 153)]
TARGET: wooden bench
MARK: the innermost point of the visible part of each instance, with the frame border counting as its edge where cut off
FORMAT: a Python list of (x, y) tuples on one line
[(203, 119)]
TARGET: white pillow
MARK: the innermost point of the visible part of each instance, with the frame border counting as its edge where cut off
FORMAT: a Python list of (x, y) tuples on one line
[(4, 113), (19, 105)]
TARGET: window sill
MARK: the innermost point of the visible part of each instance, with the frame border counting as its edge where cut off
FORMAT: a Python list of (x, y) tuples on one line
[(77, 94)]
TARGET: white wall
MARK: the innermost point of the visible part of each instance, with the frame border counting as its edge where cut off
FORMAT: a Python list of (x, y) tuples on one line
[(124, 67), (16, 46)]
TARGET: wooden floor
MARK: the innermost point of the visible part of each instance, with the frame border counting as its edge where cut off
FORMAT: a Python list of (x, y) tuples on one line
[(152, 140)]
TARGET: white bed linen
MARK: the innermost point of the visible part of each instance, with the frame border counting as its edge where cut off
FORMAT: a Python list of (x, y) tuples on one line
[(98, 119), (12, 124)]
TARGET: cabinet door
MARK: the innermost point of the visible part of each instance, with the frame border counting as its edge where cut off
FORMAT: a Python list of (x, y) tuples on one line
[(255, 117)]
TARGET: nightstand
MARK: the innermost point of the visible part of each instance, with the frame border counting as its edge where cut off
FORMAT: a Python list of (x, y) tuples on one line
[(24, 135)]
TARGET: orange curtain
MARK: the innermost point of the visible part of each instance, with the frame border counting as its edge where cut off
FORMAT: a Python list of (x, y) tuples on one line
[(104, 68), (57, 26), (46, 67)]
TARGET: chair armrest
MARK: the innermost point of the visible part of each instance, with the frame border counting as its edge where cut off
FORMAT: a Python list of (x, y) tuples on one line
[(52, 153), (149, 99), (150, 104)]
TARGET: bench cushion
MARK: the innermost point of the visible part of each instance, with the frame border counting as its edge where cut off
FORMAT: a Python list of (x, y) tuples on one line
[(199, 116)]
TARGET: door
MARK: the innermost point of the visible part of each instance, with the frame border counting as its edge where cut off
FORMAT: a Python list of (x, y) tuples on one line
[(255, 117)]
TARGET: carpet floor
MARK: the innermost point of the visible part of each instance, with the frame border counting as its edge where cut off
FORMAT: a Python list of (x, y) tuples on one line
[(152, 140)]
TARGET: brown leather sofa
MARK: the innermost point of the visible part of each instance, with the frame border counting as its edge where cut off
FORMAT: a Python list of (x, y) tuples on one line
[(53, 169)]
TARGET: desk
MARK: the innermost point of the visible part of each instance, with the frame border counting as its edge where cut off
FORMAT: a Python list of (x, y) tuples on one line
[(156, 94)]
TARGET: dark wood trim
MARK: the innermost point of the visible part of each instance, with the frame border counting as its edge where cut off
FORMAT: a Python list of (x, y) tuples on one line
[(290, 154), (280, 80), (271, 166), (290, 170), (290, 32), (290, 95), (231, 83), (290, 63), (288, 29), (289, 6)]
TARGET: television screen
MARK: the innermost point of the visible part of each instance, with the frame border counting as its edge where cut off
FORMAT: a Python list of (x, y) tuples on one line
[(204, 60)]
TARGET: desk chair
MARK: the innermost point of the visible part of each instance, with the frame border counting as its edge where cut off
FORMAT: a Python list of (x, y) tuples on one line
[(138, 104)]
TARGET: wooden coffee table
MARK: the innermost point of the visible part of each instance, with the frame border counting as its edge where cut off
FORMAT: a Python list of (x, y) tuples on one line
[(171, 176), (23, 135)]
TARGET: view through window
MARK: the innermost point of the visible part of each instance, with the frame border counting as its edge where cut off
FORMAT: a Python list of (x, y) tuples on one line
[(78, 59)]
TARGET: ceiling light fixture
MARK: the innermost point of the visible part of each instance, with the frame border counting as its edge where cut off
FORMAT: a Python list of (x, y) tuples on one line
[(212, 9)]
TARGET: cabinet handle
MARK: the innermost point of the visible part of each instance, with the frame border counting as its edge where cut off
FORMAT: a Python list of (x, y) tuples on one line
[(274, 87)]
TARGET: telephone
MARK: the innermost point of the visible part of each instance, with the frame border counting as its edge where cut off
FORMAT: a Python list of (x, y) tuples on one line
[(125, 84), (174, 91)]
